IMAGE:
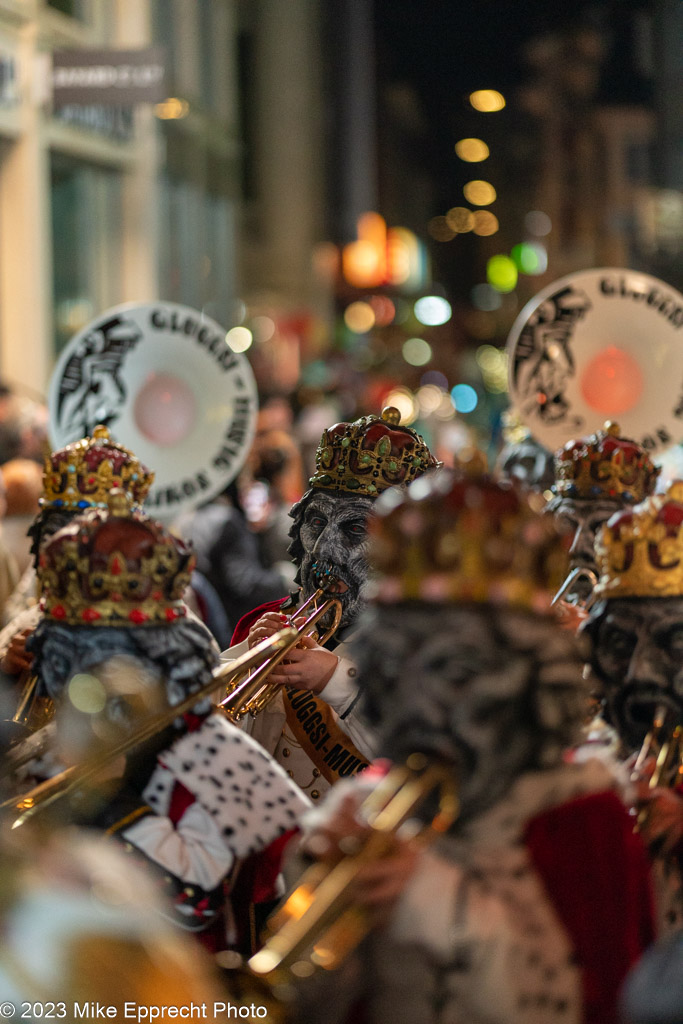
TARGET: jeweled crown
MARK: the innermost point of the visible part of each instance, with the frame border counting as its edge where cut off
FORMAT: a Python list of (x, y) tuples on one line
[(604, 465), (463, 537), (639, 551), (369, 455), (81, 475), (114, 567)]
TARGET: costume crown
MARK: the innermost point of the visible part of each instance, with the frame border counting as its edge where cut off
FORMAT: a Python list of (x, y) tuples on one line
[(81, 475), (639, 551), (114, 567), (463, 537), (604, 465), (370, 454)]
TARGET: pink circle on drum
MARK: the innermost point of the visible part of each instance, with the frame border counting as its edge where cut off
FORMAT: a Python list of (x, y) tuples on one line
[(164, 409)]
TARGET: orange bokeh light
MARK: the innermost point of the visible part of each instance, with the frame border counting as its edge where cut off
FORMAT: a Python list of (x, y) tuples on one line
[(612, 382)]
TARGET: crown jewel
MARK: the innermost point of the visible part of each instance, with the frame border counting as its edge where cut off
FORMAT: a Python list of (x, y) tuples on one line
[(369, 455), (465, 537), (604, 465), (639, 551), (81, 475), (115, 567)]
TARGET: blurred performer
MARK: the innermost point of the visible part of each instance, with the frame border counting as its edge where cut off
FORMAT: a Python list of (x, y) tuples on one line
[(313, 727), (636, 633), (535, 903), (24, 487), (75, 478), (200, 795), (81, 925), (596, 476)]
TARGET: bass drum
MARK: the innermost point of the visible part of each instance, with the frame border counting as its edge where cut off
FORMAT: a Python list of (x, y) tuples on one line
[(600, 345), (166, 383)]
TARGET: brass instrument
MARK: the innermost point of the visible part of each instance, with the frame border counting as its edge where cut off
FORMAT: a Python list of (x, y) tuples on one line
[(254, 693), (53, 789), (664, 743), (319, 924), (579, 572)]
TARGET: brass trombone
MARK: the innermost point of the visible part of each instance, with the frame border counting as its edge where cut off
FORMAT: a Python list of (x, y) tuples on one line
[(319, 924), (254, 693), (53, 789)]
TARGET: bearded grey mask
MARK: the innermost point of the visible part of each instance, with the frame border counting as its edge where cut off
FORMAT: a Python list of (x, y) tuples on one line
[(582, 518), (330, 541), (494, 693), (637, 655)]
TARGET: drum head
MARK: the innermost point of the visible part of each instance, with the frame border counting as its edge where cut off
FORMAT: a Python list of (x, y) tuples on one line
[(165, 382), (600, 345)]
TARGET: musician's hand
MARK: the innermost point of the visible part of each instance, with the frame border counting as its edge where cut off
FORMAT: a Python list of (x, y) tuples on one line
[(17, 659), (380, 881), (660, 817), (267, 625), (307, 667)]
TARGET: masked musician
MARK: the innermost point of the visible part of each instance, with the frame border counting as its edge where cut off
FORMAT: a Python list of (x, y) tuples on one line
[(596, 476), (313, 727), (75, 478), (636, 633), (200, 794), (535, 902)]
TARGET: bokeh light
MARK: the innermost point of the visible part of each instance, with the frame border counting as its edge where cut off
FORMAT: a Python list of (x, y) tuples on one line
[(87, 693), (263, 328), (538, 223), (417, 351), (403, 400), (432, 310), (439, 229), (485, 222), (436, 378), (429, 398), (501, 273), (383, 308), (530, 257), (460, 219), (480, 193), (493, 364), (359, 317), (239, 338), (485, 297), (472, 150), (486, 101), (612, 382), (465, 398)]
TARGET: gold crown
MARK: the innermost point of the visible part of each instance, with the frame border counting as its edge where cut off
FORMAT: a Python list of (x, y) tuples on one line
[(465, 538), (605, 465), (114, 567), (369, 455), (81, 475), (639, 551)]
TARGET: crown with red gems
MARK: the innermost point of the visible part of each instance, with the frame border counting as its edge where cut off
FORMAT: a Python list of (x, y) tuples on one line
[(463, 537), (114, 567), (81, 475), (639, 551), (369, 455), (605, 465)]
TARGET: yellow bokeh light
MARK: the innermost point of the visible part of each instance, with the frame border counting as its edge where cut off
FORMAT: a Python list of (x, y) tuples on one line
[(429, 398), (460, 219), (239, 339), (481, 193), (487, 100), (87, 693), (359, 317), (472, 150), (439, 229), (403, 400), (485, 222), (172, 109)]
